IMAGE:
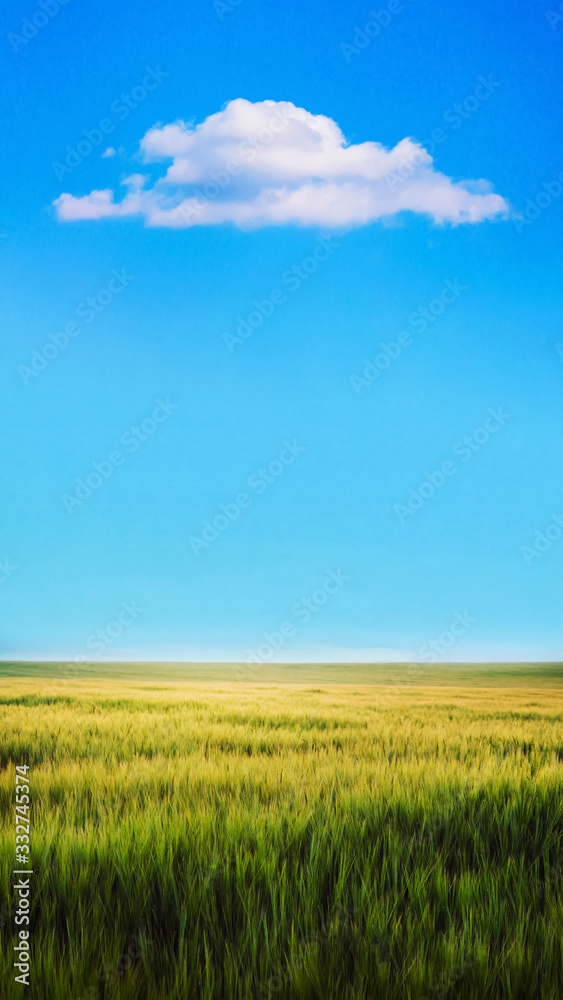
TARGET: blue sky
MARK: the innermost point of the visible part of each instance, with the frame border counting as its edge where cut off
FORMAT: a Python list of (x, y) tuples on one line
[(327, 435)]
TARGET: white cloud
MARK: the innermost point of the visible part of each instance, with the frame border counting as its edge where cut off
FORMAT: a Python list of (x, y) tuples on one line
[(110, 151), (271, 163)]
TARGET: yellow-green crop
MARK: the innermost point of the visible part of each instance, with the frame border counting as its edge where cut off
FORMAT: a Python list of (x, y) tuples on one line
[(232, 841)]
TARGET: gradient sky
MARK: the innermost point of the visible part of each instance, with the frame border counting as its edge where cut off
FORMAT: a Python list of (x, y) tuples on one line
[(356, 449)]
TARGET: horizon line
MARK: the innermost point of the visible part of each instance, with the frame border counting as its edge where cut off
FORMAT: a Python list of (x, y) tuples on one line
[(294, 663)]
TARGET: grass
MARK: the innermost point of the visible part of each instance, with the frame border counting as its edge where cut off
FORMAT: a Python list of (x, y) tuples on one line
[(530, 675), (280, 840)]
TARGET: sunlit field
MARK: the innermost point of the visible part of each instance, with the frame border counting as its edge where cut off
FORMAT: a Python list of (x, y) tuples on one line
[(253, 840)]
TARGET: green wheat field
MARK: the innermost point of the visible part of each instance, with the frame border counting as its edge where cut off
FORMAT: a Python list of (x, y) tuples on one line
[(289, 835)]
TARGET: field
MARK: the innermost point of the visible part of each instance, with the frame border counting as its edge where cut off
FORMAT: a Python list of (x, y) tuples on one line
[(269, 839)]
